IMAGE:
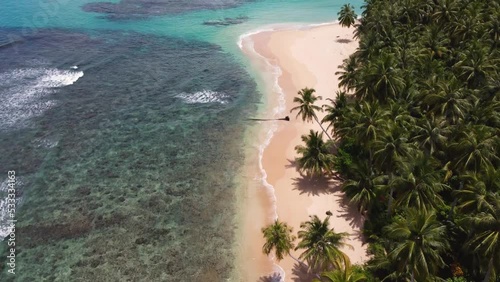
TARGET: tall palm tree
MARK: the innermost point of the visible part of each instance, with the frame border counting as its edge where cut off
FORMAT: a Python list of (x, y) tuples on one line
[(322, 245), (347, 16), (315, 157), (420, 241), (306, 108), (279, 238)]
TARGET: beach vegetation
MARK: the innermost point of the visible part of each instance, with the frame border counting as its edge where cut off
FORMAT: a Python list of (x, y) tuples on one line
[(321, 245), (315, 157), (306, 108), (347, 274), (421, 109), (416, 142), (279, 237), (347, 16)]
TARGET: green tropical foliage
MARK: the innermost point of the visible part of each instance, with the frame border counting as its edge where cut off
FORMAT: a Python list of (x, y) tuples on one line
[(315, 158), (348, 274), (422, 136), (347, 16), (322, 245), (306, 107), (417, 141), (419, 242), (279, 238)]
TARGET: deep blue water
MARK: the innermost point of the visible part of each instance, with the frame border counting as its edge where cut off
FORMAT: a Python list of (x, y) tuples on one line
[(124, 122)]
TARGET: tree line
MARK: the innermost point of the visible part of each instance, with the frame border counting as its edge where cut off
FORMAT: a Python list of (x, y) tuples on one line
[(414, 135)]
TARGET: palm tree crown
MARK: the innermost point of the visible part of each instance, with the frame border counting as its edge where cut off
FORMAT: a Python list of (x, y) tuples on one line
[(322, 245), (279, 237), (347, 16)]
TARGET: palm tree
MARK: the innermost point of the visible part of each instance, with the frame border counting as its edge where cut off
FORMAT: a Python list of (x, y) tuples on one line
[(322, 245), (477, 149), (306, 107), (369, 124), (420, 240), (446, 11), (279, 238), (430, 135), (336, 110), (420, 186), (348, 274), (485, 237), (474, 68), (315, 157), (362, 186), (381, 80), (347, 16), (392, 152), (479, 190), (348, 74), (449, 101)]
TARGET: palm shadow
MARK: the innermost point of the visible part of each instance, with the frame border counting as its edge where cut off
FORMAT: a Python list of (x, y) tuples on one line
[(301, 273), (316, 185), (343, 40), (275, 277), (351, 214)]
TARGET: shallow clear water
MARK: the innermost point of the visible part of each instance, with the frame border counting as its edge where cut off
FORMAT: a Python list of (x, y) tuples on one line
[(125, 129)]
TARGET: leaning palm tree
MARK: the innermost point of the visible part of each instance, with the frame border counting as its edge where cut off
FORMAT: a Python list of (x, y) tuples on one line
[(420, 240), (322, 245), (315, 157), (278, 238), (347, 16), (307, 109)]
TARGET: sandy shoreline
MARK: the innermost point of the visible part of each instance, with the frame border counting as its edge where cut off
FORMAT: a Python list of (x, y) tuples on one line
[(297, 58)]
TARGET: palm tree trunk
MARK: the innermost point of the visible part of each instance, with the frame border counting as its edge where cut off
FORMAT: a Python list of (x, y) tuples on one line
[(316, 118), (488, 273)]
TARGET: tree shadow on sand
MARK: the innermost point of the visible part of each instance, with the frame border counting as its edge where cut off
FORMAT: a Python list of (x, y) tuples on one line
[(350, 212), (275, 277), (301, 273), (343, 40), (315, 185)]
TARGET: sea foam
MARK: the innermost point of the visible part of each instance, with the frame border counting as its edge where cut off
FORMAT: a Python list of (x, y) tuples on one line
[(24, 92), (245, 42)]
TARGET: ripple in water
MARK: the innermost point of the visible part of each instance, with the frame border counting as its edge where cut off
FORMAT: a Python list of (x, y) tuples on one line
[(204, 97)]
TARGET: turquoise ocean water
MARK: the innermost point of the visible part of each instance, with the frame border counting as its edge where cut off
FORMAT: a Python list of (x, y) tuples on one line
[(125, 122)]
